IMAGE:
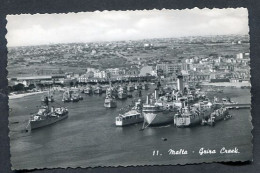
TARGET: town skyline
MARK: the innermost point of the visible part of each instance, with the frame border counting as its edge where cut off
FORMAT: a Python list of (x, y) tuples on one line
[(114, 41)]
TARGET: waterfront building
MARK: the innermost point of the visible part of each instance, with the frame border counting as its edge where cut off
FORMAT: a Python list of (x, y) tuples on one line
[(114, 71), (27, 80), (169, 68), (100, 74)]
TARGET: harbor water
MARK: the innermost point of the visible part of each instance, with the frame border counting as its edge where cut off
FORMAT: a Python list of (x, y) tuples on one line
[(89, 137)]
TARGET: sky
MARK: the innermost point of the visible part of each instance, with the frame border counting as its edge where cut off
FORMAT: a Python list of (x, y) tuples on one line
[(38, 29)]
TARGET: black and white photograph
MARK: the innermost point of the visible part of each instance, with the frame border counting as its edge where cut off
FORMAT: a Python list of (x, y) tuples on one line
[(129, 88)]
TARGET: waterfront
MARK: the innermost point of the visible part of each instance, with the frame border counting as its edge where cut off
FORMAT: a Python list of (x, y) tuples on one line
[(90, 138)]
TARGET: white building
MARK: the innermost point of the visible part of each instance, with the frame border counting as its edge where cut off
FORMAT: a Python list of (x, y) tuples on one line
[(114, 71), (100, 74), (169, 68)]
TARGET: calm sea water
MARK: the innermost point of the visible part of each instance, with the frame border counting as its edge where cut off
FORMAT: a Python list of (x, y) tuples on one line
[(89, 137)]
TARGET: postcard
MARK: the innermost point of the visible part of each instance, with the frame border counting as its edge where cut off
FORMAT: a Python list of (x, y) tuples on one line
[(129, 88)]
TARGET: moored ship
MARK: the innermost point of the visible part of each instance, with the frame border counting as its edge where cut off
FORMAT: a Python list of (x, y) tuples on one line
[(71, 96), (130, 117), (112, 92), (219, 114), (130, 88), (145, 86), (133, 116), (98, 90), (110, 102), (138, 86), (47, 116), (122, 93), (49, 96), (156, 113), (88, 90), (200, 113), (192, 115), (44, 117)]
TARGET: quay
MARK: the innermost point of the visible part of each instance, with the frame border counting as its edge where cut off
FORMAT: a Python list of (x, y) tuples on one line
[(238, 106)]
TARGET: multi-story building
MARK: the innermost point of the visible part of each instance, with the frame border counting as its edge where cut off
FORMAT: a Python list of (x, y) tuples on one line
[(169, 68), (115, 71), (100, 74)]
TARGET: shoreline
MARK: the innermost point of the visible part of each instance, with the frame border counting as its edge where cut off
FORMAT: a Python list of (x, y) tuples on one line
[(16, 96), (227, 84)]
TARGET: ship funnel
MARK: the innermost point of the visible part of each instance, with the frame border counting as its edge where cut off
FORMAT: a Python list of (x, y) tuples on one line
[(183, 104), (180, 83), (156, 94), (147, 99)]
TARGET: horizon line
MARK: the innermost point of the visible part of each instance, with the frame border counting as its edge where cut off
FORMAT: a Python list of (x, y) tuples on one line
[(48, 44)]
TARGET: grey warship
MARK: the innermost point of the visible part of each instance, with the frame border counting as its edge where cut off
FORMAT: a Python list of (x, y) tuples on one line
[(46, 116)]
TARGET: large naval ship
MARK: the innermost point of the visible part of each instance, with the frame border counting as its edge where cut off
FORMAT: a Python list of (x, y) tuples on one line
[(46, 116), (161, 110), (200, 113), (194, 114), (184, 106)]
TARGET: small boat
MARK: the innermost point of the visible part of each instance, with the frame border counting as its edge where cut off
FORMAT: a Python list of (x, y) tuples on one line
[(74, 98), (138, 86), (49, 96), (66, 96), (145, 86), (88, 90), (110, 102), (71, 96), (129, 95), (130, 88), (98, 90)]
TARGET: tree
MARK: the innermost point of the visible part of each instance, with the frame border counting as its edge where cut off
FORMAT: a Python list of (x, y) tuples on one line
[(18, 87), (39, 85), (31, 86)]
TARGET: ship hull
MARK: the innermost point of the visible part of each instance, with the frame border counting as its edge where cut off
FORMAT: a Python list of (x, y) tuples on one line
[(88, 91), (129, 122), (122, 96), (130, 89), (159, 118), (110, 105), (99, 91), (46, 122), (195, 120), (187, 121), (145, 87)]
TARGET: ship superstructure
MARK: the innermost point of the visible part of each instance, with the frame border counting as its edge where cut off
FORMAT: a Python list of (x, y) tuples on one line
[(122, 92), (110, 101)]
